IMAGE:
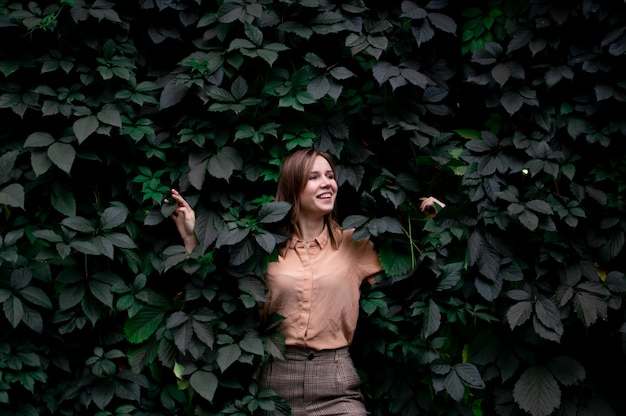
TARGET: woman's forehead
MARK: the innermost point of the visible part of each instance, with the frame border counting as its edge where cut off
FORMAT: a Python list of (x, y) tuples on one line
[(320, 164)]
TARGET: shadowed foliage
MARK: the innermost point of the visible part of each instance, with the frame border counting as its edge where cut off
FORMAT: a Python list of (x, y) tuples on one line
[(508, 302)]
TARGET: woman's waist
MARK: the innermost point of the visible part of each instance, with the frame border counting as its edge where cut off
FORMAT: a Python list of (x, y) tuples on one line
[(296, 353)]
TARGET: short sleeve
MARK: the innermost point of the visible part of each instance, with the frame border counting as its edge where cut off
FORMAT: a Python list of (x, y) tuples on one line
[(367, 261)]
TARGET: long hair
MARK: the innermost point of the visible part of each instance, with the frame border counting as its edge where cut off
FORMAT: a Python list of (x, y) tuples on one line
[(294, 174)]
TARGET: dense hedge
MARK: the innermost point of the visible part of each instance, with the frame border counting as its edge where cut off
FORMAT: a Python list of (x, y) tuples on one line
[(509, 301)]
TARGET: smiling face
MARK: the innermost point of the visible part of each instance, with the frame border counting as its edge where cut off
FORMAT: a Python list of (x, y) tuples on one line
[(317, 198)]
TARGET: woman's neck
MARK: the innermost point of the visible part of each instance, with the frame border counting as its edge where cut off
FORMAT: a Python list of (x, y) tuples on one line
[(310, 228)]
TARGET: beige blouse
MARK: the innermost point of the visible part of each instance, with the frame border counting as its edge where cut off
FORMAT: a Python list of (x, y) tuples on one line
[(317, 289)]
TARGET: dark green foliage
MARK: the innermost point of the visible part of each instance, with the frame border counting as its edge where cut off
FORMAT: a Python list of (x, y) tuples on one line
[(509, 301)]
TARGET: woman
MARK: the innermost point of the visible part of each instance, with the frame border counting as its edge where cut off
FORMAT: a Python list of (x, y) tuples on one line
[(315, 286)]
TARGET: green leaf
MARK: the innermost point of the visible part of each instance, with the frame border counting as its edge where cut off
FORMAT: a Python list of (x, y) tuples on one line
[(354, 221), (273, 212), (20, 278), (120, 240), (231, 237), (451, 275), (537, 392), (453, 385), (395, 263), (470, 374), (383, 71), (567, 370), (204, 383), (70, 296), (85, 127), (101, 291), (172, 94), (39, 139), (242, 45), (183, 336), (590, 303), (242, 252), (87, 247), (519, 313), (62, 155), (176, 319), (103, 392), (239, 88), (529, 220), (253, 344), (412, 10), (374, 301), (511, 101), (227, 355), (12, 195), (230, 12), (540, 206), (252, 286), (501, 73), (113, 216), (378, 226), (40, 162), (433, 319), (13, 310), (63, 200), (7, 162), (110, 116), (254, 34), (48, 235), (224, 163), (36, 296), (266, 241), (305, 98), (442, 22), (220, 94), (341, 73), (268, 56), (296, 28), (145, 323), (319, 87), (203, 332), (78, 224)]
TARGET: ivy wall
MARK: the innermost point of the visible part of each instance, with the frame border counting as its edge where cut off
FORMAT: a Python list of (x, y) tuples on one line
[(508, 302)]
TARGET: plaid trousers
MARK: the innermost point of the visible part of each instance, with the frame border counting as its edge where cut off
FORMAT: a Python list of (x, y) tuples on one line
[(316, 383)]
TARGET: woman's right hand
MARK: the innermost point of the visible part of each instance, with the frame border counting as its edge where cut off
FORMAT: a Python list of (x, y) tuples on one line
[(430, 205), (185, 219)]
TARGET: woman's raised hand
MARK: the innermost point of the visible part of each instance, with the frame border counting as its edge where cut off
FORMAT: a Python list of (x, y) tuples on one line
[(430, 205), (185, 219)]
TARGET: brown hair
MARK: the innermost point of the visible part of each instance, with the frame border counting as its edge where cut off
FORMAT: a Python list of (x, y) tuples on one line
[(294, 174)]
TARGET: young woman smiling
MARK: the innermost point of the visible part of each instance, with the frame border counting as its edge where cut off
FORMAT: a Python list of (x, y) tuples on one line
[(315, 285)]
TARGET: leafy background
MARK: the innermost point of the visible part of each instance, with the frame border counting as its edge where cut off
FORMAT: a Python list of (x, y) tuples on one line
[(509, 301)]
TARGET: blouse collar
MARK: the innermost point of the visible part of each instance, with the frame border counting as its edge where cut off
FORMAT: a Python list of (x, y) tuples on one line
[(321, 240)]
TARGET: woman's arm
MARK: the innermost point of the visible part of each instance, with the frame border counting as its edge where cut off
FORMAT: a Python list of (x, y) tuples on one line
[(185, 219)]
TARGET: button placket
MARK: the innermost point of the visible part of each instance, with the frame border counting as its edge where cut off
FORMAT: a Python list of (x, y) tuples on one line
[(303, 254)]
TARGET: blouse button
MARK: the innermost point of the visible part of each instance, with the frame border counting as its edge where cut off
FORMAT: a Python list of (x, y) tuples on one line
[(310, 356)]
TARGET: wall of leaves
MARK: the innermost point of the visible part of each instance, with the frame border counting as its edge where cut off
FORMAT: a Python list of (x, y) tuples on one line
[(508, 302)]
